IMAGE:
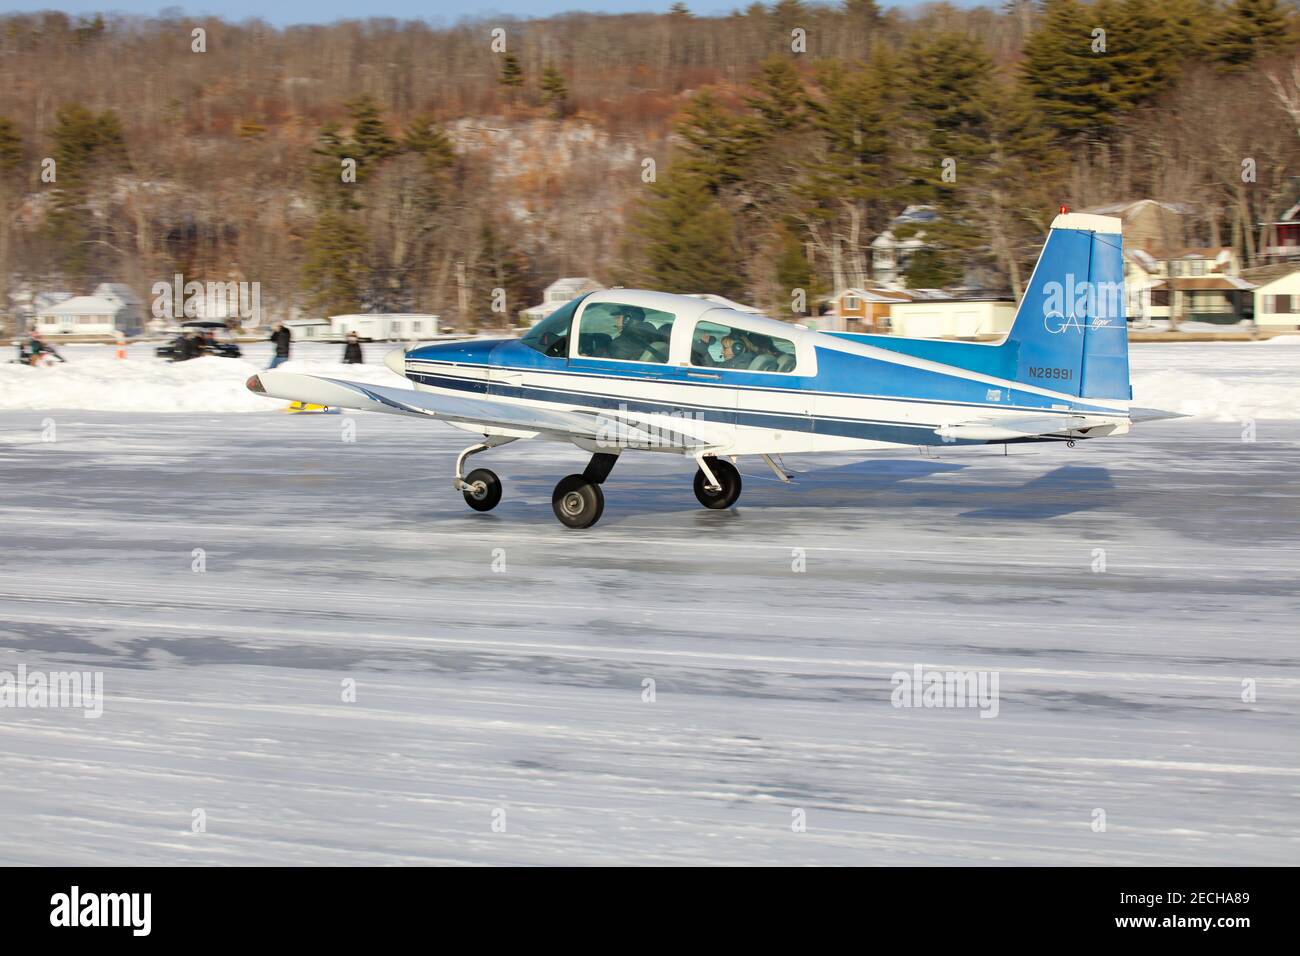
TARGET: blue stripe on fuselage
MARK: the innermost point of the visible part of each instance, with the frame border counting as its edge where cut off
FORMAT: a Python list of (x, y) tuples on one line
[(905, 433)]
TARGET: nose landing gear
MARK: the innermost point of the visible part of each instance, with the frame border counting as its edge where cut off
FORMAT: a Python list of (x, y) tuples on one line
[(481, 487), (484, 491), (717, 483)]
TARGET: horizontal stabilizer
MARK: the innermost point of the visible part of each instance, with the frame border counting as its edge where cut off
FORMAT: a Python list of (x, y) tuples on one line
[(1009, 429), (603, 427), (1153, 414)]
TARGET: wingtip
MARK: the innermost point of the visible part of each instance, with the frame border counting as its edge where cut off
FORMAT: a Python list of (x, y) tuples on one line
[(254, 384)]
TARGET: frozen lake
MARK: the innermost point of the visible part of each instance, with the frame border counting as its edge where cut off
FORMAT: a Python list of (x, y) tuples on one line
[(500, 660)]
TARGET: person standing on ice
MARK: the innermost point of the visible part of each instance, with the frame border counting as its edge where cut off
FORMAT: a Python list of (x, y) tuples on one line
[(281, 337), (352, 350)]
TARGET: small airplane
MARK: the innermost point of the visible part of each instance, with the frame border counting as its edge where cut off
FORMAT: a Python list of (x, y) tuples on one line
[(622, 369)]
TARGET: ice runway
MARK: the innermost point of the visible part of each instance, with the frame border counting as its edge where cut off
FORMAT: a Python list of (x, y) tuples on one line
[(1121, 591)]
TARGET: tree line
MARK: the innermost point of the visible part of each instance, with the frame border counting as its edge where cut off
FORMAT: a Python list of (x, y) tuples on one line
[(393, 165)]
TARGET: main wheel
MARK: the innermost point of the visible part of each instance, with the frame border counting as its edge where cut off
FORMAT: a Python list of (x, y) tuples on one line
[(577, 502), (727, 476), (486, 490)]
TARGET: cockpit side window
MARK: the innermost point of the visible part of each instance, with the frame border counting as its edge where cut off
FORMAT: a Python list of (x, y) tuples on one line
[(723, 346), (551, 335), (630, 333)]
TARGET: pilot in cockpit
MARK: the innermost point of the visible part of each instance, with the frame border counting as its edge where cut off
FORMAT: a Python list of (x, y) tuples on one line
[(632, 333)]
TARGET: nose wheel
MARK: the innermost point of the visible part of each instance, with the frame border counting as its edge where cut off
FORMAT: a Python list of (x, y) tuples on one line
[(721, 488), (482, 489)]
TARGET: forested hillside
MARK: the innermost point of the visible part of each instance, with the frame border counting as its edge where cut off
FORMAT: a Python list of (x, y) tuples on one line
[(394, 166)]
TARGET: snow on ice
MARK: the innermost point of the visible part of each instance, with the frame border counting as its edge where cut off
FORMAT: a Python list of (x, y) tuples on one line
[(1215, 381)]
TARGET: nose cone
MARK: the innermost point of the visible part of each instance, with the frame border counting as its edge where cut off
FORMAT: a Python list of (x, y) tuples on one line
[(396, 360)]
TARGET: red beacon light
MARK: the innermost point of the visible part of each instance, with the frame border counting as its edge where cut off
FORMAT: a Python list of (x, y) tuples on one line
[(1064, 209)]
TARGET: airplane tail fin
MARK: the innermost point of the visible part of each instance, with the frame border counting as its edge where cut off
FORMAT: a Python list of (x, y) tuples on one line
[(1070, 333)]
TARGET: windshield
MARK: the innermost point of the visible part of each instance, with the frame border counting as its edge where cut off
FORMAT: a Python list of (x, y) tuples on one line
[(551, 335)]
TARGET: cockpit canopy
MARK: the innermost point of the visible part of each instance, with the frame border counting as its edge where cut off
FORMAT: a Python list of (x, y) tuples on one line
[(658, 328)]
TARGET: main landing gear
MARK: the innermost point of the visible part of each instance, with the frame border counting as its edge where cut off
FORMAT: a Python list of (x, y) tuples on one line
[(578, 500)]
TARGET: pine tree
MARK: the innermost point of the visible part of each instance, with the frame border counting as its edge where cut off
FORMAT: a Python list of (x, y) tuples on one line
[(1075, 83), (1251, 28), (779, 103), (716, 146), (687, 238), (792, 268), (555, 92), (845, 183), (370, 144), (11, 158), (89, 151), (770, 138), (338, 272), (1014, 191), (428, 140), (498, 267), (951, 101), (512, 74), (334, 269), (930, 268)]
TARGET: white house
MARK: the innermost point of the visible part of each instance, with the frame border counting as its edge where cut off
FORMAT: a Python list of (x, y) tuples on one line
[(89, 315), (1145, 287), (1277, 301), (386, 326), (311, 330), (557, 293), (952, 318), (28, 305)]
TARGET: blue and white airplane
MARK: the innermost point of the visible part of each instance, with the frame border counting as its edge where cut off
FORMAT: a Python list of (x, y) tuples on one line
[(621, 370)]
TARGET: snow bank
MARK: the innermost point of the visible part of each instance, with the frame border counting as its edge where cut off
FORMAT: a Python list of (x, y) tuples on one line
[(99, 382), (1204, 396)]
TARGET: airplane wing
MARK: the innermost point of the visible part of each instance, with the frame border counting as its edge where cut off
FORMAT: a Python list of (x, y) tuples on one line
[(604, 426), (1031, 426)]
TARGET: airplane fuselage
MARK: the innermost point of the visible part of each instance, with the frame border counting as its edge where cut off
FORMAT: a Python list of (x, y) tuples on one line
[(626, 369), (842, 394)]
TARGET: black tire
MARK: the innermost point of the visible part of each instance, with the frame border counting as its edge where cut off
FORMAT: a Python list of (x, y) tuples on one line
[(577, 502), (490, 496), (727, 476)]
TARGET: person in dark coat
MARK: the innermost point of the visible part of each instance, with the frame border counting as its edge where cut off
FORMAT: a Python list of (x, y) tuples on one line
[(37, 346), (281, 337), (186, 347), (352, 350)]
